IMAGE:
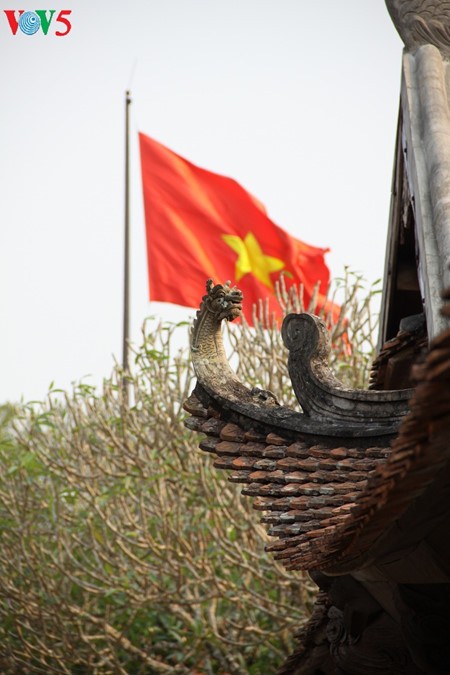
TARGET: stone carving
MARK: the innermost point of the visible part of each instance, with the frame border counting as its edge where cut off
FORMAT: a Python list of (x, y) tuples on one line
[(221, 303), (318, 391), (421, 22), (329, 409)]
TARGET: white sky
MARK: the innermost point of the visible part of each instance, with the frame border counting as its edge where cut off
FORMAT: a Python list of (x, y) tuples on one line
[(296, 100)]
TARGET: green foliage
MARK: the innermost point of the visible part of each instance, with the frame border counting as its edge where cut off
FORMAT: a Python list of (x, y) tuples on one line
[(123, 550)]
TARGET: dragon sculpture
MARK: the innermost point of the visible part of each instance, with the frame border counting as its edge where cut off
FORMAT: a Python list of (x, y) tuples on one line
[(421, 22)]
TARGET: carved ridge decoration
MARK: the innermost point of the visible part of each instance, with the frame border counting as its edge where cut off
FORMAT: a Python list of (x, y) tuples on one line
[(421, 22), (329, 409), (318, 391)]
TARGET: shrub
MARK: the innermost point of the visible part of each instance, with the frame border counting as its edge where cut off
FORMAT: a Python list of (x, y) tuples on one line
[(123, 551)]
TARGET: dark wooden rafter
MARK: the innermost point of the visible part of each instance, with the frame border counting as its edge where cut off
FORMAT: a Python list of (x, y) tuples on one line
[(401, 291)]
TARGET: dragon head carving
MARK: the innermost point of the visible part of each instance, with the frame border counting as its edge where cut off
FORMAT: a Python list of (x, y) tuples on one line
[(223, 301)]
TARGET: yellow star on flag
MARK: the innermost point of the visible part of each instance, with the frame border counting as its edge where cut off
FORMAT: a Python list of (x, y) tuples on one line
[(251, 259)]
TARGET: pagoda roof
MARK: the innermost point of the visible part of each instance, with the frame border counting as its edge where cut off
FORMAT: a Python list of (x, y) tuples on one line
[(328, 500), (354, 487)]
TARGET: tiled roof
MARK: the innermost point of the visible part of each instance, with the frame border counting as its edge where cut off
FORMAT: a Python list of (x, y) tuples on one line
[(419, 453), (327, 504), (306, 491)]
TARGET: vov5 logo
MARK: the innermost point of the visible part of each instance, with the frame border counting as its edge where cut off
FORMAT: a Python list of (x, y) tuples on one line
[(30, 22)]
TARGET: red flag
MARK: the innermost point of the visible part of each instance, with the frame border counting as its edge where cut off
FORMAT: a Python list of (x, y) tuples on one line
[(203, 225)]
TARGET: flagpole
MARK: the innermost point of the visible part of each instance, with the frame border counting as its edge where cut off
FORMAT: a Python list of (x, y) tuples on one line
[(126, 265)]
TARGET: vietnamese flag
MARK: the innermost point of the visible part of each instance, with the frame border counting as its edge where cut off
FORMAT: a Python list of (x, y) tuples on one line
[(203, 225)]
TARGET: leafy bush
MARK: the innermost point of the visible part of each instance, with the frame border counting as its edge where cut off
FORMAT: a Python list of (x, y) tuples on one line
[(123, 551)]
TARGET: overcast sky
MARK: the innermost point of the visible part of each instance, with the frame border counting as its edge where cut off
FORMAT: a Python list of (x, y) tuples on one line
[(296, 100)]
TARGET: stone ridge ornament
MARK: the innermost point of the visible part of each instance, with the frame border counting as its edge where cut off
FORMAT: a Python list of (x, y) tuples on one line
[(421, 22), (329, 409), (319, 392)]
